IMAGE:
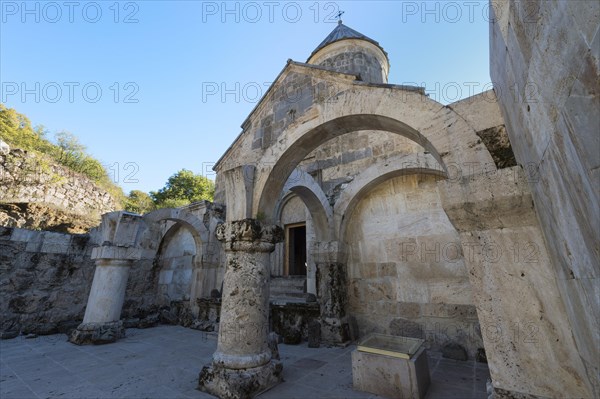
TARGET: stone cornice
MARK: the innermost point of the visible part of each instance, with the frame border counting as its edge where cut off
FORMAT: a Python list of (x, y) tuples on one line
[(113, 252)]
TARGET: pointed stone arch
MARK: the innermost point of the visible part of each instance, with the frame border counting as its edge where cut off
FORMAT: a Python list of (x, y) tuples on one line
[(437, 128), (183, 218), (193, 222), (400, 165), (304, 186)]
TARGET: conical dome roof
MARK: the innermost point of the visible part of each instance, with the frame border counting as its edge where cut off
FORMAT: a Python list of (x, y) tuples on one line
[(342, 32)]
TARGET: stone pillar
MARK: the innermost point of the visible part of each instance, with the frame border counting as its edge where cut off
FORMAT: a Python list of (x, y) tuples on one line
[(243, 365), (101, 323), (523, 321), (311, 277), (332, 291)]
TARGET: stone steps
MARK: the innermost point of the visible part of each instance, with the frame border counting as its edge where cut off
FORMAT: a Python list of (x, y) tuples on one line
[(288, 287)]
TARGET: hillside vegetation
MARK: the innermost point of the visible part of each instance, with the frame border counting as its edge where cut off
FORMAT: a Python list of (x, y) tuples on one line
[(182, 188), (16, 130)]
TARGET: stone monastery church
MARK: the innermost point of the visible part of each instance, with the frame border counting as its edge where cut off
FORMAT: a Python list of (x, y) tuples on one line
[(349, 205)]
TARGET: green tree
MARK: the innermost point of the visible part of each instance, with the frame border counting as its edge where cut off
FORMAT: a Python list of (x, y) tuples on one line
[(71, 151), (16, 130), (183, 188), (139, 202)]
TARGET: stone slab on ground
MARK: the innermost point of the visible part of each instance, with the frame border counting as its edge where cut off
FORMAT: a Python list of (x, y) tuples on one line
[(164, 362)]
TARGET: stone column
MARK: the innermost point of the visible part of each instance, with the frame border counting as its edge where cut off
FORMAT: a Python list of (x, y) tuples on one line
[(243, 365), (332, 291), (101, 323)]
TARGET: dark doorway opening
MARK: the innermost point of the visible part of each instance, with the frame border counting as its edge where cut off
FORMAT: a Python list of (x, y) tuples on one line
[(296, 249)]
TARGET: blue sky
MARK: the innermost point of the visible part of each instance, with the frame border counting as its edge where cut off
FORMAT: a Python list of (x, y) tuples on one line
[(131, 78)]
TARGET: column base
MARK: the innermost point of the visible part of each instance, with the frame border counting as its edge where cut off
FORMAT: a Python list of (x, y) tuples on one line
[(97, 333), (334, 331), (240, 384)]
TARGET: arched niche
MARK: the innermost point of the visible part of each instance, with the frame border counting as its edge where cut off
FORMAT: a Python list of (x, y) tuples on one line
[(176, 261)]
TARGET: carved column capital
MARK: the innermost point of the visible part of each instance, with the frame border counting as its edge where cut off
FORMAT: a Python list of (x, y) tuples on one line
[(249, 235)]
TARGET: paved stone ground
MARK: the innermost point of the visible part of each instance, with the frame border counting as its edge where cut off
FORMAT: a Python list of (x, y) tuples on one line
[(163, 362)]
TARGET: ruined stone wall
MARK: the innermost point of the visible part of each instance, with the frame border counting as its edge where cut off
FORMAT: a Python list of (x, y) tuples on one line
[(544, 62), (29, 178), (406, 272), (37, 216), (175, 270), (45, 278), (159, 285)]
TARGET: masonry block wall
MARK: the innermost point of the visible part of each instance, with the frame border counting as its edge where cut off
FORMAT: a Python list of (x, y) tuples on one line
[(406, 273), (37, 193), (44, 281), (544, 62), (26, 177)]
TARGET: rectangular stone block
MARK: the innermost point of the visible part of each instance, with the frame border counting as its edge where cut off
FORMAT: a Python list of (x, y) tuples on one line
[(389, 376), (25, 235), (165, 277), (55, 243)]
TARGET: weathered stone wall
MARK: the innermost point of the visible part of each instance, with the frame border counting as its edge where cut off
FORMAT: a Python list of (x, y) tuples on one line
[(45, 278), (359, 63), (176, 263), (336, 163), (29, 178), (544, 62), (355, 57), (159, 284), (36, 216), (482, 112), (333, 166), (406, 273), (526, 334), (181, 263)]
